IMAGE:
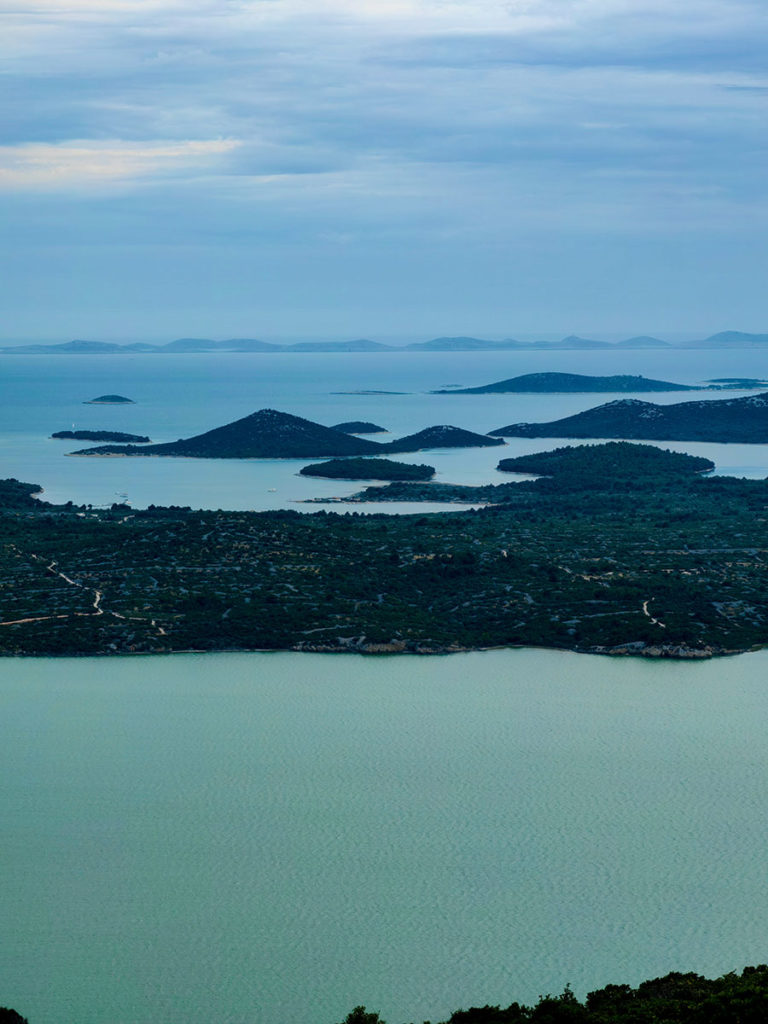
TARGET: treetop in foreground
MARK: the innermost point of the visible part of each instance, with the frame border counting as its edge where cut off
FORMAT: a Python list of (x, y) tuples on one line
[(674, 999)]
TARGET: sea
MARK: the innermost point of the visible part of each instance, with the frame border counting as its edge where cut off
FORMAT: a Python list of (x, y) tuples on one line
[(277, 838)]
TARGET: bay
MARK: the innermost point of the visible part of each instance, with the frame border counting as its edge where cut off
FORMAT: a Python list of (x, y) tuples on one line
[(275, 838)]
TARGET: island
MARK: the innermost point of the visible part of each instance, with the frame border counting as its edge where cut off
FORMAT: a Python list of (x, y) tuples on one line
[(270, 434), (659, 560), (100, 435), (359, 427), (368, 469), (567, 383), (618, 462), (110, 400), (737, 420), (266, 434)]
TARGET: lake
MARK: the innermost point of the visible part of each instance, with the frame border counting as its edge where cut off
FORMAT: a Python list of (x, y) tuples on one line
[(273, 839)]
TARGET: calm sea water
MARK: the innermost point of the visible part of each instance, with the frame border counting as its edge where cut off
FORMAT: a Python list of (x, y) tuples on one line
[(178, 396), (273, 839)]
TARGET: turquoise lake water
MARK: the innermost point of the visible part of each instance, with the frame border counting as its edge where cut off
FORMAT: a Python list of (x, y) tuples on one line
[(276, 838), (273, 839)]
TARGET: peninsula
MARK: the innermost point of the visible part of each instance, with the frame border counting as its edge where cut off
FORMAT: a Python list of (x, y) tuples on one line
[(619, 463), (567, 383), (269, 434), (738, 420), (658, 560)]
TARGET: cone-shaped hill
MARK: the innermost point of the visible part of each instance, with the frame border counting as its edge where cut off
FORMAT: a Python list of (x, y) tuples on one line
[(739, 420), (568, 383), (441, 437), (269, 434)]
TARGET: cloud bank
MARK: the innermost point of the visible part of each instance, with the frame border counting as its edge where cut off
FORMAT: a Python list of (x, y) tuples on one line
[(529, 162)]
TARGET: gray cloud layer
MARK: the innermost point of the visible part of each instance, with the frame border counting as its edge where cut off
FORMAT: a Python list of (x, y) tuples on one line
[(507, 158)]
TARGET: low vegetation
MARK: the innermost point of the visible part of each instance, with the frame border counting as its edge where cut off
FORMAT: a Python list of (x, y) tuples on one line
[(657, 562)]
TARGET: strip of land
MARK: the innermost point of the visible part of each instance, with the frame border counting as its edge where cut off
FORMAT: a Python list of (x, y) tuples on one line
[(614, 552)]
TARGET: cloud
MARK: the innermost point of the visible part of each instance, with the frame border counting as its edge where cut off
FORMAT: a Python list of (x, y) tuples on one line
[(81, 164)]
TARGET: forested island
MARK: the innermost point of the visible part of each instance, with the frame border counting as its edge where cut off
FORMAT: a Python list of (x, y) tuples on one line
[(737, 420), (568, 383), (100, 435), (654, 559), (368, 469), (270, 434)]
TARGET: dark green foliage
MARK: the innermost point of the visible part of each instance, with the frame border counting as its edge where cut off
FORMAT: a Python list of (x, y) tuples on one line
[(368, 469), (11, 1017), (360, 1016), (674, 999), (14, 494)]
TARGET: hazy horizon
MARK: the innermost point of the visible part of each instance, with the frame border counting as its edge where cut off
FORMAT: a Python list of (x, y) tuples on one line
[(396, 340)]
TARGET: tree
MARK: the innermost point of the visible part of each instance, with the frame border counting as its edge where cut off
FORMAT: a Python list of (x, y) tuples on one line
[(360, 1016)]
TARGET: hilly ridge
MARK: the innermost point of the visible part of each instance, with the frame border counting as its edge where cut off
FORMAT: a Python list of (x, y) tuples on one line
[(742, 420), (567, 383), (270, 434)]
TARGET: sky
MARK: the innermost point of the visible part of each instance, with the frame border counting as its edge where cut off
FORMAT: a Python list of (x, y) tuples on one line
[(382, 168)]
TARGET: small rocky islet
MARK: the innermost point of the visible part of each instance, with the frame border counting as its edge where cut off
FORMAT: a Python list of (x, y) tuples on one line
[(110, 400)]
